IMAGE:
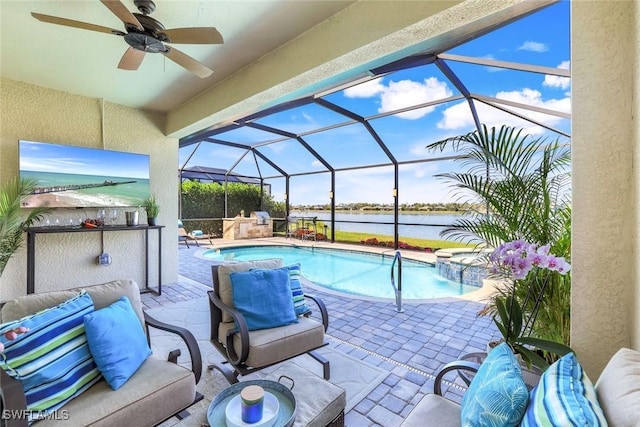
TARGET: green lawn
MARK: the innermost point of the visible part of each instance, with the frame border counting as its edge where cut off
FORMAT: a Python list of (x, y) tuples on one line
[(352, 237)]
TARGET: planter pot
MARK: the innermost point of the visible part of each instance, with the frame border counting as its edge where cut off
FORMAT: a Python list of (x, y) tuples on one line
[(151, 220)]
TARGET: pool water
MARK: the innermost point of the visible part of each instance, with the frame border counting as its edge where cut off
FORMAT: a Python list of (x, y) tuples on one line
[(353, 272)]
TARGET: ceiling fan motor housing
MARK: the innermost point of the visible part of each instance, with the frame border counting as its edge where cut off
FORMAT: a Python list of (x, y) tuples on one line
[(150, 40)]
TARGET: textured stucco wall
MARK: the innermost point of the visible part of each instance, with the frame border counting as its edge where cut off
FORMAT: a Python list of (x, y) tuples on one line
[(604, 48), (68, 260)]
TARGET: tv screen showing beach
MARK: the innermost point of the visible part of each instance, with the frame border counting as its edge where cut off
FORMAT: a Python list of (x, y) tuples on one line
[(78, 177)]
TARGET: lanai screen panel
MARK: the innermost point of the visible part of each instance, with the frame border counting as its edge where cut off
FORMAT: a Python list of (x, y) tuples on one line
[(398, 90), (407, 138), (291, 156), (310, 190), (348, 146), (542, 38), (302, 119)]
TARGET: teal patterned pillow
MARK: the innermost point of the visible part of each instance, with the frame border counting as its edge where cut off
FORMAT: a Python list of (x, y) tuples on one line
[(497, 395), (564, 397)]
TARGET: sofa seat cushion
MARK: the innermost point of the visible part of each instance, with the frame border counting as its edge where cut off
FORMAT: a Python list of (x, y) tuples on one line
[(145, 400), (434, 408), (267, 346), (618, 388)]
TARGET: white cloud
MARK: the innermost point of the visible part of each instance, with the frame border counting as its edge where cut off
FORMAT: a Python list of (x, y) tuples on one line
[(365, 90), (459, 117), (406, 93), (402, 94), (533, 47), (557, 81)]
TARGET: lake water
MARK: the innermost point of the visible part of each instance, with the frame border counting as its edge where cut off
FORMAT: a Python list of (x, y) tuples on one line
[(428, 225)]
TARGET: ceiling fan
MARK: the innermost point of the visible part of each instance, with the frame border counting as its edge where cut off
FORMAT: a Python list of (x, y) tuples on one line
[(145, 34)]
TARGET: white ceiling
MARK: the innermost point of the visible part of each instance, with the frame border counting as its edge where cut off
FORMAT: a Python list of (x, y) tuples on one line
[(85, 62)]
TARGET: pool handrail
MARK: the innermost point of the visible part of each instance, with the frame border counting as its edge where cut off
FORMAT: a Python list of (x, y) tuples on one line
[(397, 289)]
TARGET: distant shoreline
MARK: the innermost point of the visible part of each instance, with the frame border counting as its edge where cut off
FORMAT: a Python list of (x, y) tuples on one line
[(382, 211)]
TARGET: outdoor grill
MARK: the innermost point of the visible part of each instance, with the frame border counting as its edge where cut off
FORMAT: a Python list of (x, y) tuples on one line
[(262, 217)]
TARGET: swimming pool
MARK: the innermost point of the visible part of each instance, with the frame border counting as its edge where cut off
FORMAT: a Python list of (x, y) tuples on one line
[(353, 272)]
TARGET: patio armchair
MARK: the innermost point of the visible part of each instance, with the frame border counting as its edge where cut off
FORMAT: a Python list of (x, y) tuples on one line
[(246, 349), (564, 396)]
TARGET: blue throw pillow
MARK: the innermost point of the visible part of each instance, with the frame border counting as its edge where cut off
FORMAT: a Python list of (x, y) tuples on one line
[(52, 360), (264, 298), (497, 395), (564, 397), (117, 341)]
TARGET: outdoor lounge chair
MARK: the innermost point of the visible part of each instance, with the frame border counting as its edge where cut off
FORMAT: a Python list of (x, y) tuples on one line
[(185, 237), (245, 350)]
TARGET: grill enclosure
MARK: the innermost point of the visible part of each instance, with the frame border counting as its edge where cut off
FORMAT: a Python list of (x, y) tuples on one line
[(262, 217)]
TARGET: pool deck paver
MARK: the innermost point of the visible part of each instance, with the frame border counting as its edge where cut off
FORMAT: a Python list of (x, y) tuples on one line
[(411, 345)]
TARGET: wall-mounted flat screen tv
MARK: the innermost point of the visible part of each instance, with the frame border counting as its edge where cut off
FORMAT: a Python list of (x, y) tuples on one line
[(80, 177)]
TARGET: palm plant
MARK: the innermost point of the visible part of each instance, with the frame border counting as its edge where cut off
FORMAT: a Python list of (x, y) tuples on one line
[(13, 219), (523, 183)]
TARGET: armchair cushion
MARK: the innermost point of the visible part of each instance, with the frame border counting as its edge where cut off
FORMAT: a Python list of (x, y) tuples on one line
[(565, 396), (618, 388), (52, 360), (264, 298), (117, 341), (268, 346), (224, 271), (498, 395)]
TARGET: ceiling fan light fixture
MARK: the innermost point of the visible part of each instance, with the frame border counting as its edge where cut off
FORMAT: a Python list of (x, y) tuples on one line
[(144, 42)]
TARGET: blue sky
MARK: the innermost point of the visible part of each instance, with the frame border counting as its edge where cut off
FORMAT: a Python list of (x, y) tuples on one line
[(45, 157), (540, 39)]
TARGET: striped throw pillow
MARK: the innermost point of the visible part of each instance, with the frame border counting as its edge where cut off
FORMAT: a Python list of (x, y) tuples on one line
[(299, 304), (52, 360), (564, 397)]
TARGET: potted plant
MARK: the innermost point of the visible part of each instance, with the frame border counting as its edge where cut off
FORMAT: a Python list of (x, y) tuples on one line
[(152, 208), (534, 267), (14, 219), (523, 184)]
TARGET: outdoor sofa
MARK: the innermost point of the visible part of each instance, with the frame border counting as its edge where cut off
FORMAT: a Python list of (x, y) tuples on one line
[(617, 395), (159, 388)]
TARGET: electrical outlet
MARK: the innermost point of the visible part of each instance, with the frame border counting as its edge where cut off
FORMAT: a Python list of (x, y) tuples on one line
[(103, 259)]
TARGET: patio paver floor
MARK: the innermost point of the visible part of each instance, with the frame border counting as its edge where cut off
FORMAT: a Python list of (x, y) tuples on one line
[(411, 345)]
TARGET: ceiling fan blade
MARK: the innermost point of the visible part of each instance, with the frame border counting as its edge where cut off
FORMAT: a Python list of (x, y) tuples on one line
[(75, 24), (131, 59), (121, 11), (195, 35), (187, 62)]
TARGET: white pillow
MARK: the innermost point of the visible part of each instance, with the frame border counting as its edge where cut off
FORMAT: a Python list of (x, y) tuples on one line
[(618, 388)]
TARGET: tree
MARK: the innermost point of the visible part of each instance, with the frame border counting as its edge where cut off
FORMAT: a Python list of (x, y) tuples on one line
[(524, 185)]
